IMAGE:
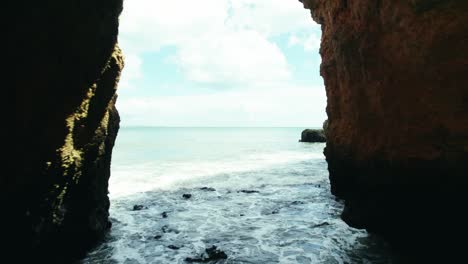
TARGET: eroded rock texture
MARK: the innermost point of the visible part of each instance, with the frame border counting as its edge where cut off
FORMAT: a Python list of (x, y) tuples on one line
[(396, 79), (66, 65)]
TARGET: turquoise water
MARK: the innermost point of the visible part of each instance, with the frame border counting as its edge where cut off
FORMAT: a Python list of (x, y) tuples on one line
[(257, 194)]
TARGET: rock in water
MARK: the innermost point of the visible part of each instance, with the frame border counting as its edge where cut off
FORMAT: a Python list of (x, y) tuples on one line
[(208, 189), (248, 191), (138, 207), (313, 135), (211, 254), (187, 196)]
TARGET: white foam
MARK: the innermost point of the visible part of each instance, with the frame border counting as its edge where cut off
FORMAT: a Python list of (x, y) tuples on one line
[(128, 180)]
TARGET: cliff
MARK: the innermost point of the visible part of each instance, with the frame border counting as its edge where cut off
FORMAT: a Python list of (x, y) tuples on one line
[(65, 65), (396, 79)]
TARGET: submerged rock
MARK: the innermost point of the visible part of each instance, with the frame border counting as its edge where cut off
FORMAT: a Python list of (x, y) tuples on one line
[(297, 202), (211, 254), (164, 215), (321, 224), (248, 191), (208, 189), (173, 247), (313, 135), (138, 207), (187, 195)]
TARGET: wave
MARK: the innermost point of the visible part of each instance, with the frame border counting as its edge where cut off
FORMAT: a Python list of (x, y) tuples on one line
[(137, 178)]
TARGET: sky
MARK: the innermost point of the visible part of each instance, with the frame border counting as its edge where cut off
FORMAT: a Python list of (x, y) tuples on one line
[(211, 63)]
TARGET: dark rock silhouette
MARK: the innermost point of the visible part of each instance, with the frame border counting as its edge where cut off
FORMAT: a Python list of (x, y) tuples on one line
[(208, 189), (211, 254), (138, 207), (187, 195), (173, 247), (248, 191), (65, 65), (313, 135)]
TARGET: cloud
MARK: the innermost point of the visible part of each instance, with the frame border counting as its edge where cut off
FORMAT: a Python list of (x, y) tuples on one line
[(233, 57), (228, 43), (277, 106), (131, 72), (217, 41), (310, 43), (148, 25), (270, 17)]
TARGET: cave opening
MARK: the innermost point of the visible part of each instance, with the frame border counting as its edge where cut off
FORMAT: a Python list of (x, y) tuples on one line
[(213, 100), (247, 64)]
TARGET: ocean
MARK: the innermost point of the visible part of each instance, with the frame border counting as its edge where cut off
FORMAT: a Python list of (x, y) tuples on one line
[(256, 194)]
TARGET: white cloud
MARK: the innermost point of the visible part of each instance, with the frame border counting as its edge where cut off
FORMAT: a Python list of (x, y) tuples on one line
[(277, 106), (233, 57), (309, 43), (148, 25), (270, 17), (219, 41), (229, 42), (131, 72)]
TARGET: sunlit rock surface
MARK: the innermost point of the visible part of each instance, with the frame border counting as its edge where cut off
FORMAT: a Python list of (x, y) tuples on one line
[(66, 66), (397, 140)]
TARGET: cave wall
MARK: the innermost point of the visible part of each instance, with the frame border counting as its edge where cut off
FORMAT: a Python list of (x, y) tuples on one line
[(396, 80), (65, 64)]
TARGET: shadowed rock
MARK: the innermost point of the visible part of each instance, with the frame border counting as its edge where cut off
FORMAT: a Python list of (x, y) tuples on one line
[(208, 189), (313, 135), (211, 254), (138, 207), (248, 191)]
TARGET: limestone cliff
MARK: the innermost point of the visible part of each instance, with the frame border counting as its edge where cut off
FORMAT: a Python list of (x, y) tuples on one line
[(397, 141), (66, 65)]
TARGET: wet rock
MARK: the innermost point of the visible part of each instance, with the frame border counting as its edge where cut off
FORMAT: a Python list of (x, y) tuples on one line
[(157, 237), (297, 202), (211, 254), (164, 214), (208, 189), (138, 207), (321, 224), (187, 196), (313, 135), (173, 247), (248, 191)]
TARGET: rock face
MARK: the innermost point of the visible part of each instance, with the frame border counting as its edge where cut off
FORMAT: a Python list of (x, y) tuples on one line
[(313, 135), (66, 65), (397, 140)]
